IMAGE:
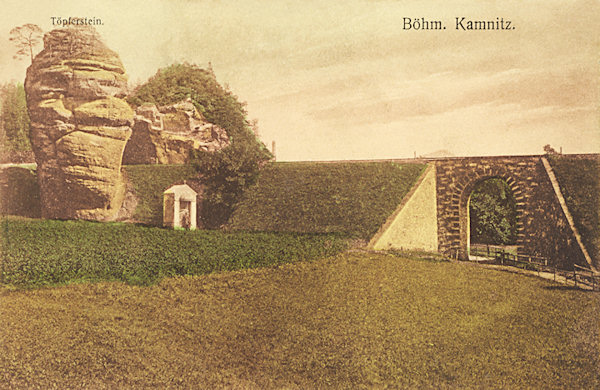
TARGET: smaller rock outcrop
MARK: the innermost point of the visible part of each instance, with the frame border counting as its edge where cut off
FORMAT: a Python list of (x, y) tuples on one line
[(167, 134)]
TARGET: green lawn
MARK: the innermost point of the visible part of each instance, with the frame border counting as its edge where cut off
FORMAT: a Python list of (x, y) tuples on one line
[(357, 320)]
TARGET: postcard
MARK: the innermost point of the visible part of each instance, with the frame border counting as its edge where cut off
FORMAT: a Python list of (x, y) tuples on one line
[(283, 194)]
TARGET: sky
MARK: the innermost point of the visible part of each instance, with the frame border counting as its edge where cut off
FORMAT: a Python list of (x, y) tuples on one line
[(337, 80)]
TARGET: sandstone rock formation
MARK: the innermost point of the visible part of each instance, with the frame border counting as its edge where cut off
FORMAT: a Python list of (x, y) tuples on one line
[(165, 135), (79, 124)]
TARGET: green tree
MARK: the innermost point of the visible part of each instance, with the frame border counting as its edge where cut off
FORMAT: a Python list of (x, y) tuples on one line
[(228, 172), (493, 215), (15, 118)]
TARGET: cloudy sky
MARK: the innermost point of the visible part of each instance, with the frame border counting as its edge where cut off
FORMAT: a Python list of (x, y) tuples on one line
[(343, 79)]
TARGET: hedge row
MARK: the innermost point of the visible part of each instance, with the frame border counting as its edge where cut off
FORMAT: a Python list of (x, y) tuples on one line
[(354, 198), (579, 180), (46, 252)]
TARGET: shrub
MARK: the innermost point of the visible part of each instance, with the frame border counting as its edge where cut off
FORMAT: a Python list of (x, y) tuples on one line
[(228, 172), (14, 119), (493, 213)]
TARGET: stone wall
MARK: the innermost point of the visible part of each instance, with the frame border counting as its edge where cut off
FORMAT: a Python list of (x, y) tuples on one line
[(543, 229)]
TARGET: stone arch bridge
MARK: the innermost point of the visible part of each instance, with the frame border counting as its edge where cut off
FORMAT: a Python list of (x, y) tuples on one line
[(434, 215)]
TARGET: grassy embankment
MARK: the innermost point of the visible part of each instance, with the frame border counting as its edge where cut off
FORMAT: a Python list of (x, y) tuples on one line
[(355, 198), (149, 182), (353, 321), (579, 181), (45, 252)]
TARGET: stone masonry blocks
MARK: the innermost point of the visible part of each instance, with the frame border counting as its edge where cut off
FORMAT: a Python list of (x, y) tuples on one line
[(541, 225)]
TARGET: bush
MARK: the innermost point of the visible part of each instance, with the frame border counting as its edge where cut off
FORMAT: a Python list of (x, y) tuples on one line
[(44, 252), (354, 198), (14, 120), (226, 173)]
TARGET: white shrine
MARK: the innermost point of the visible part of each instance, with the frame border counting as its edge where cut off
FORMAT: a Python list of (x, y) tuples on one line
[(179, 207)]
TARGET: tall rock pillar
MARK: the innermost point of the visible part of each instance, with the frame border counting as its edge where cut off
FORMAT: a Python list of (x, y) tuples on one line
[(79, 124)]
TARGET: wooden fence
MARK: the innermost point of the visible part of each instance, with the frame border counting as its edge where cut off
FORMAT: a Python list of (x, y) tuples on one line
[(579, 276)]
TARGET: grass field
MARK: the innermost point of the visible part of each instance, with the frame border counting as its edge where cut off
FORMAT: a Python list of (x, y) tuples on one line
[(357, 320)]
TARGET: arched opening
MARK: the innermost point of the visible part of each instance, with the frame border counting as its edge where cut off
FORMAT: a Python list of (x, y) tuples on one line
[(492, 219)]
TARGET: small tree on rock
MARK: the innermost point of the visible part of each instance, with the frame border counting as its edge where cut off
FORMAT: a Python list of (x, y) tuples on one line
[(26, 38)]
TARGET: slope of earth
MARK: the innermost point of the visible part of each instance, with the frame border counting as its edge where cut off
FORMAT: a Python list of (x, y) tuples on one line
[(149, 182), (579, 180), (352, 197), (357, 320)]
